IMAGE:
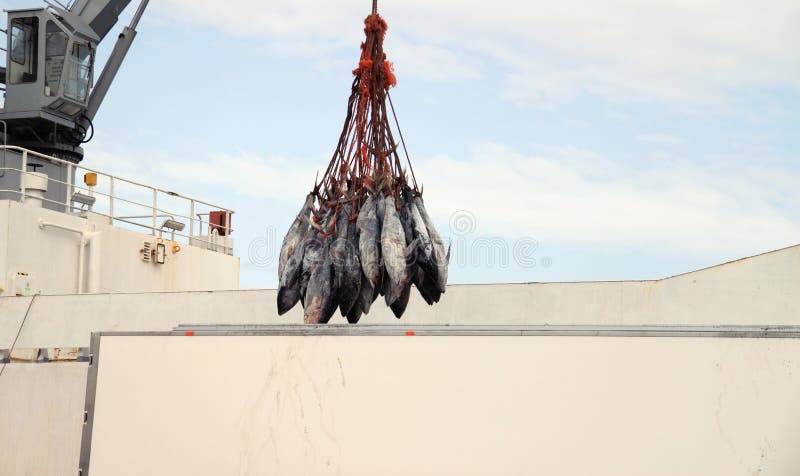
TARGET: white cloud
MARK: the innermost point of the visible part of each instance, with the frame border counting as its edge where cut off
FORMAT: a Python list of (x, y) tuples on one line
[(705, 208), (685, 54), (661, 139), (434, 63), (719, 206), (243, 173), (249, 175)]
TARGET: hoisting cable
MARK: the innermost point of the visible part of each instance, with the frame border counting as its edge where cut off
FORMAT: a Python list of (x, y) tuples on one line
[(402, 141)]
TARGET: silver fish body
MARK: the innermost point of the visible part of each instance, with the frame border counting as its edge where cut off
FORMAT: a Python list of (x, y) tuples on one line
[(420, 231), (353, 315), (313, 254), (346, 266), (441, 256), (366, 295), (398, 307), (369, 232), (427, 286), (319, 299), (289, 286), (380, 206), (353, 273), (295, 235), (393, 251), (339, 246)]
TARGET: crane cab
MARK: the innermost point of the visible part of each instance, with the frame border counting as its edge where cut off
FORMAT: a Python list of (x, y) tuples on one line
[(48, 75), (48, 64)]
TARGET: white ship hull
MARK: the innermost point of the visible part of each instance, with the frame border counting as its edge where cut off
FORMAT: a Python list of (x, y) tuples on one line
[(48, 397)]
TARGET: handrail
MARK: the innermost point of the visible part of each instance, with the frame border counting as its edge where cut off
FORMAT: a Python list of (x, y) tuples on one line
[(95, 192), (132, 182), (5, 144), (113, 197), (199, 239)]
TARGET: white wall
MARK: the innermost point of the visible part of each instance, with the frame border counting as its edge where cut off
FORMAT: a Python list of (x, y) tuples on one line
[(758, 290), (41, 418), (752, 291), (50, 256), (437, 405)]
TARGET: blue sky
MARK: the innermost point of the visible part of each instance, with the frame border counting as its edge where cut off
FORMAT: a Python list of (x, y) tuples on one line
[(557, 141)]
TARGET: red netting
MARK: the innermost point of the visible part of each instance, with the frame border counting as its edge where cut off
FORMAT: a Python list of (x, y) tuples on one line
[(367, 152)]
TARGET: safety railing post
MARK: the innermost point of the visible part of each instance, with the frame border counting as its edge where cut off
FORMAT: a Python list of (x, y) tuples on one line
[(23, 171), (111, 199), (68, 198), (227, 229), (155, 207), (191, 219)]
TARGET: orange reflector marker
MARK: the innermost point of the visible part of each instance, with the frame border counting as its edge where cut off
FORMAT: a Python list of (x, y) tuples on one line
[(409, 333), (189, 333)]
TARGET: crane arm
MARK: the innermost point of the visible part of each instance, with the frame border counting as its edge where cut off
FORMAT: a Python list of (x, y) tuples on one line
[(100, 15), (114, 62)]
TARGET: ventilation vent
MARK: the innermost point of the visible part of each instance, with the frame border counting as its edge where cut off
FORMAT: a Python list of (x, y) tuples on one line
[(147, 251)]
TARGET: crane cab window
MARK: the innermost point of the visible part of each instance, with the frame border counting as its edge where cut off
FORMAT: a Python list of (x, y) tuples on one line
[(24, 50), (79, 71), (54, 51)]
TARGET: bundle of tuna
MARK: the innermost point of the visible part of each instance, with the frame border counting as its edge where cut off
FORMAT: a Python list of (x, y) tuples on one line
[(363, 231)]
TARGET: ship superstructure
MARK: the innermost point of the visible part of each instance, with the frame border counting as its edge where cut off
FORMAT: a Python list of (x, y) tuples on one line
[(106, 233), (67, 228)]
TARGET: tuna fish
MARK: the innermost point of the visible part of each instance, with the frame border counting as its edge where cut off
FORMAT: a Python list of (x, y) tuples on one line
[(426, 286), (353, 273), (369, 235), (313, 249), (383, 279), (393, 250), (346, 266), (339, 249), (441, 257), (289, 286), (339, 262), (420, 233), (405, 214), (399, 305), (356, 310), (296, 234), (319, 299), (380, 206), (312, 253), (366, 295)]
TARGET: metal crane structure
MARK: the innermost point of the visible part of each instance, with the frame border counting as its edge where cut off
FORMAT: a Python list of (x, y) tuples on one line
[(51, 96), (69, 228)]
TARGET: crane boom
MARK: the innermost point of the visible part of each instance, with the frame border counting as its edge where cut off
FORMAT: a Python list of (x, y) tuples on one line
[(114, 62), (101, 15)]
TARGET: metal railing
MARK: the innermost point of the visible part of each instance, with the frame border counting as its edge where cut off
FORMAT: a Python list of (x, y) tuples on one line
[(136, 208)]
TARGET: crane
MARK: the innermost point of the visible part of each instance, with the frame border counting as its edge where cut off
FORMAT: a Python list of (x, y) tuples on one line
[(51, 96)]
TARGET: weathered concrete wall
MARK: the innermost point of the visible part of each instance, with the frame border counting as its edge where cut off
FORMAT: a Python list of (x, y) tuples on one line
[(41, 417), (752, 291), (42, 404), (462, 405), (12, 313)]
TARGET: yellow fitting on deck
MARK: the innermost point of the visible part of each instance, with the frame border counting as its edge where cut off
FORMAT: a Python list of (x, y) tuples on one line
[(90, 179)]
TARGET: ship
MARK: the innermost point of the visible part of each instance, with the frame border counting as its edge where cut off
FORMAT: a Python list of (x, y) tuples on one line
[(87, 255)]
